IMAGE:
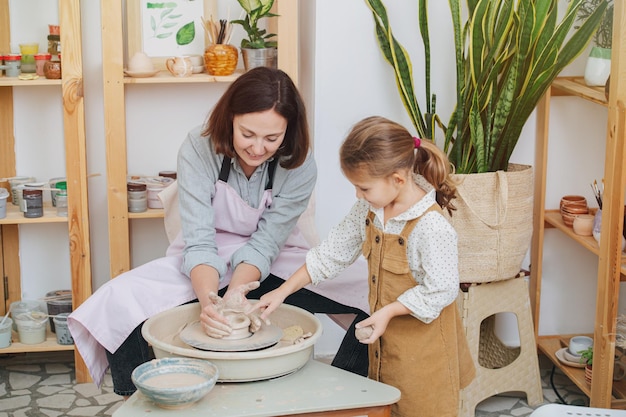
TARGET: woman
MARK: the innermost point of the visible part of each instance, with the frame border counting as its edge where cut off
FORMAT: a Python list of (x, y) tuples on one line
[(244, 179)]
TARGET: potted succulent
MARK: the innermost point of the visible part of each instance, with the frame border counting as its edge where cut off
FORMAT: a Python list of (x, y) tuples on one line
[(598, 66), (507, 54), (259, 48)]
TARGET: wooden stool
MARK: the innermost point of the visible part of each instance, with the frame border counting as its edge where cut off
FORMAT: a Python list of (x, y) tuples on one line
[(499, 368)]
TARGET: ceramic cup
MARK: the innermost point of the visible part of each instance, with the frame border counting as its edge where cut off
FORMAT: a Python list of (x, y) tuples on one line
[(579, 343), (583, 224), (179, 66)]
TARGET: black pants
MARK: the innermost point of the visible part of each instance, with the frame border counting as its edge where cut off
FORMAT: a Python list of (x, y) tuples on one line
[(351, 355)]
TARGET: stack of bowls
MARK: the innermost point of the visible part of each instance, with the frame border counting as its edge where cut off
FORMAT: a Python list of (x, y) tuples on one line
[(572, 206)]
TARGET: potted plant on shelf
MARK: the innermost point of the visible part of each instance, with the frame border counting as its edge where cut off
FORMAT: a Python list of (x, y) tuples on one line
[(598, 67), (507, 54), (259, 48), (586, 357)]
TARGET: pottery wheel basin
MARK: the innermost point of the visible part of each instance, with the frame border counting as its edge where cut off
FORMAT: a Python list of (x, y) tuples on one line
[(163, 333)]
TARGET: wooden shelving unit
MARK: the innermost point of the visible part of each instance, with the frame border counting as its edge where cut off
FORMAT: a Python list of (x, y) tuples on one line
[(113, 38), (604, 392), (70, 97)]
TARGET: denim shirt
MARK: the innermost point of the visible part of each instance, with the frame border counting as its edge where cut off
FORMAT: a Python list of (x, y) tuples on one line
[(198, 171)]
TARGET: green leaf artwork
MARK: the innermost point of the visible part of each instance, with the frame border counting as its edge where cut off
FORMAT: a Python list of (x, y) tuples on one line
[(186, 34), (161, 26)]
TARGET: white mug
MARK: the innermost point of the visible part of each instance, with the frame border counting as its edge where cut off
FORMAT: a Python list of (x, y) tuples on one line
[(179, 66)]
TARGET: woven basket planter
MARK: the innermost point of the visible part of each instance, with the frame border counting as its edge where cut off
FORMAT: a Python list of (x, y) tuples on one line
[(494, 223)]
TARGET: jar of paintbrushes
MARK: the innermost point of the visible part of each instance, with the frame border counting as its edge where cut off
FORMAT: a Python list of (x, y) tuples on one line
[(220, 57)]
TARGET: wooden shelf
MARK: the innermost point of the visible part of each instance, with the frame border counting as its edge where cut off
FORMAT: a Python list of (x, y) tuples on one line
[(16, 82), (553, 219), (549, 345), (15, 216), (71, 105), (164, 77), (50, 344), (117, 85), (575, 86), (148, 214), (611, 263)]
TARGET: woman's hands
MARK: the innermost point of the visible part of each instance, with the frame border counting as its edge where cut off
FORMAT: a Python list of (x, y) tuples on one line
[(212, 317)]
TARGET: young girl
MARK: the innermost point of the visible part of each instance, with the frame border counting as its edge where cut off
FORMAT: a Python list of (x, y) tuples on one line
[(416, 342)]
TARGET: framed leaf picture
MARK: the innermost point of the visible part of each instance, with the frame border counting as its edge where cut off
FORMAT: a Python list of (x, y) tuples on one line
[(163, 29)]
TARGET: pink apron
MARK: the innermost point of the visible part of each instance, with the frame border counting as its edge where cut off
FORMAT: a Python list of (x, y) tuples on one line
[(159, 285)]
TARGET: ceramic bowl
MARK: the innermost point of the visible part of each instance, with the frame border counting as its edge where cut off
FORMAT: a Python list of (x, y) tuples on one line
[(573, 200), (583, 224), (198, 69), (579, 343), (175, 383)]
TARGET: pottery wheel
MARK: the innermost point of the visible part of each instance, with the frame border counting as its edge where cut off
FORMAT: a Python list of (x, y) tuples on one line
[(194, 336)]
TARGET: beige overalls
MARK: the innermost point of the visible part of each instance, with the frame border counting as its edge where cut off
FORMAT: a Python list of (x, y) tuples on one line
[(428, 363)]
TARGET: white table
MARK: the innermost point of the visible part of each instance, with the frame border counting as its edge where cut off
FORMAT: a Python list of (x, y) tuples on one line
[(315, 390)]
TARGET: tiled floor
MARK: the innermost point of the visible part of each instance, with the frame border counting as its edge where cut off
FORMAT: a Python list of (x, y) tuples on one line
[(44, 385)]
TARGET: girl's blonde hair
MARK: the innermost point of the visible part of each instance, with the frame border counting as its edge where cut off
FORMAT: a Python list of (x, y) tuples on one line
[(381, 147)]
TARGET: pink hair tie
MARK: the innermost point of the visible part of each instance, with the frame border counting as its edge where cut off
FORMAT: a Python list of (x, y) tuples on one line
[(417, 142)]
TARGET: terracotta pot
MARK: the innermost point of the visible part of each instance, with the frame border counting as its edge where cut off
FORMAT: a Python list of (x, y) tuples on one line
[(52, 70), (588, 372)]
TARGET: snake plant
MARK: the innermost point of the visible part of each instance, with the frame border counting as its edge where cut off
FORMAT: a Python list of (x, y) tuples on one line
[(507, 54)]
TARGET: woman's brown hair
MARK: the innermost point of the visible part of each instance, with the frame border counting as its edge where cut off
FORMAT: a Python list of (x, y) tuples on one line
[(258, 90), (382, 147)]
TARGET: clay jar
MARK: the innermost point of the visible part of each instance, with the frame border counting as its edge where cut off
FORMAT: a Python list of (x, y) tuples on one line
[(572, 206), (583, 224), (52, 70), (221, 59)]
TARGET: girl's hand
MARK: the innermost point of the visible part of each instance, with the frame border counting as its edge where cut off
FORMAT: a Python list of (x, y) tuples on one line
[(269, 302), (377, 322)]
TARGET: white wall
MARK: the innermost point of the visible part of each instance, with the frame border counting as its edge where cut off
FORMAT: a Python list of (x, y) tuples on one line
[(344, 78)]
